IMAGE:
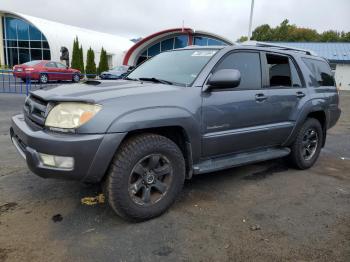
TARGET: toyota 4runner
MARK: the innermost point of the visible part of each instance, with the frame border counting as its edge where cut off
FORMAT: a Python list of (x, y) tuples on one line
[(183, 112)]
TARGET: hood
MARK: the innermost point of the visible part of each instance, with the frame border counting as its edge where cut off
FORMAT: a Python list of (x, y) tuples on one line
[(99, 91)]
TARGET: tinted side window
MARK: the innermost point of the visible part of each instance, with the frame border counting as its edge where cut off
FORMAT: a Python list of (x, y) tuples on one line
[(50, 64), (248, 63), (59, 65), (321, 72)]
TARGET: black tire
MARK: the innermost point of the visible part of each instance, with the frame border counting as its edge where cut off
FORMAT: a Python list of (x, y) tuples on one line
[(122, 193), (75, 78), (43, 78), (24, 80), (301, 157)]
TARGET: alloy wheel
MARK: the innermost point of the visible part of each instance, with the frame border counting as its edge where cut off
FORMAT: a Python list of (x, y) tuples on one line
[(43, 79), (309, 143), (150, 179)]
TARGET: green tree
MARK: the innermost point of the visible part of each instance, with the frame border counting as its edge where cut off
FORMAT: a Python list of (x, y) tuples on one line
[(75, 54), (292, 33), (263, 33), (330, 36), (298, 34), (103, 64), (81, 60), (242, 39), (90, 69), (345, 37)]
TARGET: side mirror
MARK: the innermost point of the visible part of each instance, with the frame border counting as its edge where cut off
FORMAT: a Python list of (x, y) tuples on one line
[(224, 78)]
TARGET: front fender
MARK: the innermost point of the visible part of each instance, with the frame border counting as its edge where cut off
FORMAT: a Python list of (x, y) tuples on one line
[(155, 117)]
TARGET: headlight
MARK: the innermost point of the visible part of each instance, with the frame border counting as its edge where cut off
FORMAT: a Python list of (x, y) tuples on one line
[(71, 114)]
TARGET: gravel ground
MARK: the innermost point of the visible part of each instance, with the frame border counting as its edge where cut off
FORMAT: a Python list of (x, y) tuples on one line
[(261, 212)]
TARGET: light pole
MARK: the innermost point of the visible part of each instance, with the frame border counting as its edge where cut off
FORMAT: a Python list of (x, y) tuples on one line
[(250, 20)]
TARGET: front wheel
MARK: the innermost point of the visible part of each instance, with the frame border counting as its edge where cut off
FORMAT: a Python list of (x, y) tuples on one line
[(307, 145), (145, 177)]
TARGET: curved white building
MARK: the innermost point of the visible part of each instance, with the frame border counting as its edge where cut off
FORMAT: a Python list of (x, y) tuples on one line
[(26, 38)]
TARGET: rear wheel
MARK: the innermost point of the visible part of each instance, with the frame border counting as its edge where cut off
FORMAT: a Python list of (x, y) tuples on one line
[(43, 78), (145, 177), (307, 145), (76, 78)]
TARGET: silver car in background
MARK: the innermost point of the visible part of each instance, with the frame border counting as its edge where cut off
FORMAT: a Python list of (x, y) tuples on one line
[(117, 72)]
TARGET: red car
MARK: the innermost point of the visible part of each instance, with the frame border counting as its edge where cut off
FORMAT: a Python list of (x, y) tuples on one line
[(45, 71)]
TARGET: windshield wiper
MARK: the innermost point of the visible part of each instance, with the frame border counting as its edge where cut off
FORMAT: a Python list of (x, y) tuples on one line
[(156, 80)]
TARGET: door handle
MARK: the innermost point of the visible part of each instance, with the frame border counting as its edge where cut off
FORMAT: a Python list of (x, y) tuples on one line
[(260, 97), (300, 94)]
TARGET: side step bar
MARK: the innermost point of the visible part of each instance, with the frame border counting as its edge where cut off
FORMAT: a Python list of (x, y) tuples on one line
[(225, 162)]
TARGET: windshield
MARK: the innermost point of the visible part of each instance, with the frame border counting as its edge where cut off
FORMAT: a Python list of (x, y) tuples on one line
[(178, 67)]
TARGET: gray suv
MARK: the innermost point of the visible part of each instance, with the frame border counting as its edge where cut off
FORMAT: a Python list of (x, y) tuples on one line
[(183, 112)]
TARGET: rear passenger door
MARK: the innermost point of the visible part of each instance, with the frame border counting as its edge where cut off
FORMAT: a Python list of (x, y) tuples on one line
[(286, 93), (235, 119)]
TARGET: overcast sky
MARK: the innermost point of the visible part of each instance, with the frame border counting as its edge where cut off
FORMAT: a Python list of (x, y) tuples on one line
[(229, 18)]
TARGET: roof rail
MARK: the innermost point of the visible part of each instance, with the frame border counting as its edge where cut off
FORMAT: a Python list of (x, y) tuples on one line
[(282, 47)]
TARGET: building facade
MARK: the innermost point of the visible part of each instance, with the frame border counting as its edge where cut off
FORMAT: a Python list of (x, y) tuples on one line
[(170, 39), (25, 38)]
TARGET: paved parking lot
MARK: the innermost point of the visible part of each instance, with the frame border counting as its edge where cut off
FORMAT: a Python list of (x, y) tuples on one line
[(262, 212)]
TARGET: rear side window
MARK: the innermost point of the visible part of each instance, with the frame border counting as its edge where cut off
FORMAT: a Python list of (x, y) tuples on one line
[(279, 70), (59, 65), (321, 72), (50, 64), (248, 63)]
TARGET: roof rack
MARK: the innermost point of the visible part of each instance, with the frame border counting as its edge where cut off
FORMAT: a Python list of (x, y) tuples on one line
[(282, 47)]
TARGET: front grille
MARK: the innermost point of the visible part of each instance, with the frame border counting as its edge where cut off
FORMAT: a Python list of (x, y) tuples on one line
[(35, 110)]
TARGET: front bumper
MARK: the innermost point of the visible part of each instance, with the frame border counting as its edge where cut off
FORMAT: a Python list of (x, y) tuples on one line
[(92, 153)]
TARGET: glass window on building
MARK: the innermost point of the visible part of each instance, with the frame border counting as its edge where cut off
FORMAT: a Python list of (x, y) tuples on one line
[(46, 55), (154, 50), (12, 54), (215, 42), (22, 30), (164, 45), (24, 55), (23, 42), (34, 33), (36, 54), (10, 28), (167, 44), (35, 44), (181, 41), (141, 59), (201, 41)]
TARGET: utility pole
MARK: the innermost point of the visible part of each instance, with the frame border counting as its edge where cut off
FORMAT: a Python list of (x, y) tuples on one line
[(250, 20)]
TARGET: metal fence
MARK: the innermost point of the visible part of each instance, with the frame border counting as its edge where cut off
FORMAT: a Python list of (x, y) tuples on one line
[(11, 84)]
